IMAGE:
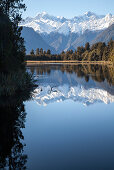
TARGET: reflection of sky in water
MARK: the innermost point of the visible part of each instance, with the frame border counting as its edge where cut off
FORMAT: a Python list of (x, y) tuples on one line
[(67, 135)]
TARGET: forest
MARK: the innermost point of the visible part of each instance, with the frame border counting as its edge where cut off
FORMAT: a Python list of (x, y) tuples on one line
[(97, 52), (13, 75)]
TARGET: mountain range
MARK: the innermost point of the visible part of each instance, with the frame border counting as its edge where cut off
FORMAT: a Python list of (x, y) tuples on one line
[(59, 33)]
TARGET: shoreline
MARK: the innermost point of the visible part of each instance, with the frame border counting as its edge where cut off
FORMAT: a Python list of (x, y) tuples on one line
[(69, 62)]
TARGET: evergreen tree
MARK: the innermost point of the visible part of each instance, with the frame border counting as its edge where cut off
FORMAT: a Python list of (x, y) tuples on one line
[(12, 48), (41, 51), (32, 52), (44, 52), (63, 52), (48, 52), (71, 51), (87, 46), (111, 44), (12, 8), (37, 51), (98, 52)]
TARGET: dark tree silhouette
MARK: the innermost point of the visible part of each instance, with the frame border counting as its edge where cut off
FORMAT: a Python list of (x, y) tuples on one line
[(32, 52), (12, 120)]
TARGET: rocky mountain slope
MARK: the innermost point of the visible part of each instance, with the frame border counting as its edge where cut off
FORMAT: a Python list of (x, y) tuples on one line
[(105, 35), (33, 40)]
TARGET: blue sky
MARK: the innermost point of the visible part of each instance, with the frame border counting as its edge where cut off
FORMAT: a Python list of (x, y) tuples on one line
[(68, 8)]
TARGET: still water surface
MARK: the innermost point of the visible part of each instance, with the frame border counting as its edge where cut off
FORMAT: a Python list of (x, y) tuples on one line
[(69, 123)]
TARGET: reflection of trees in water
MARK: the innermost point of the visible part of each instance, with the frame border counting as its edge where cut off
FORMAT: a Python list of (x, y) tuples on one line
[(12, 119), (96, 72)]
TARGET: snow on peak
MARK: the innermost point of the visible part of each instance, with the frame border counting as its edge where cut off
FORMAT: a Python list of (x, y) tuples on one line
[(44, 12), (41, 13), (60, 17), (89, 13), (108, 16), (45, 23)]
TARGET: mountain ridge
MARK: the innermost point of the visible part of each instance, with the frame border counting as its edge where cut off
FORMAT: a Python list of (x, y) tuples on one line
[(60, 34), (105, 35), (45, 23)]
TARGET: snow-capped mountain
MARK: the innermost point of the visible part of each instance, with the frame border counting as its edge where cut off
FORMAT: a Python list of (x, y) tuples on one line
[(45, 23), (61, 34)]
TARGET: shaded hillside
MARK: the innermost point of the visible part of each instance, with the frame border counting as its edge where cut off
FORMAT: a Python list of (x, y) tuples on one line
[(87, 36), (33, 40), (59, 41), (105, 36)]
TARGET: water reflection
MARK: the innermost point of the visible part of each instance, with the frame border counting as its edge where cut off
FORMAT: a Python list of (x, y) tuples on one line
[(84, 83), (12, 120)]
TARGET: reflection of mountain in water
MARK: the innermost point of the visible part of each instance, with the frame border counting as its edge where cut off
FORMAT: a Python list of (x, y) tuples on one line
[(46, 95), (85, 84)]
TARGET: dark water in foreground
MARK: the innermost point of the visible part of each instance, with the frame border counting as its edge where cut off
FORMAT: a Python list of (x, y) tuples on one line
[(68, 125)]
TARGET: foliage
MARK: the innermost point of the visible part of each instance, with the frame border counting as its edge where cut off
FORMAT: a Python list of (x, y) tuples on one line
[(12, 50), (12, 8), (97, 52), (32, 52), (13, 77), (15, 82)]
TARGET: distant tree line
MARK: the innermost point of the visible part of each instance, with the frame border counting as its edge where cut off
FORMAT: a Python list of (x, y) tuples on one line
[(97, 52)]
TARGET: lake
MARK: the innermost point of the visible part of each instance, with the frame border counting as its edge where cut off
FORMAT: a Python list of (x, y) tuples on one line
[(68, 124)]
